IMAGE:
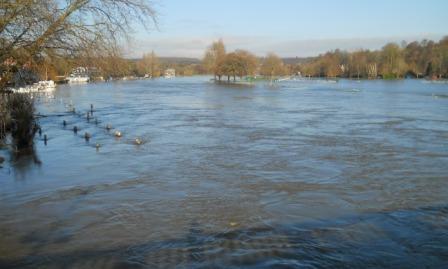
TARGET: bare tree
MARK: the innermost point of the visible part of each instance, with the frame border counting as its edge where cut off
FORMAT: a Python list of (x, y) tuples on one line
[(31, 29), (149, 64), (272, 66), (213, 58)]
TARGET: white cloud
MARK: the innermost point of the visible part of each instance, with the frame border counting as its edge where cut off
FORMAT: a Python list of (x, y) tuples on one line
[(260, 45)]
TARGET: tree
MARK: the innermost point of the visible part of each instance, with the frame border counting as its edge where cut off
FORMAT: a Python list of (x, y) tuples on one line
[(240, 63), (444, 56), (31, 29), (214, 56), (413, 57), (248, 63), (392, 62), (272, 66), (231, 66), (149, 64)]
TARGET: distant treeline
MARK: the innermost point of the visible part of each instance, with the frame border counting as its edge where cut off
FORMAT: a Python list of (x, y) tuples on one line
[(427, 59), (416, 59), (424, 59)]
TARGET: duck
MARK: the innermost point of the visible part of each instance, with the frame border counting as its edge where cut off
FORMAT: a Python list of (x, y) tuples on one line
[(108, 127), (138, 141), (87, 136), (118, 134)]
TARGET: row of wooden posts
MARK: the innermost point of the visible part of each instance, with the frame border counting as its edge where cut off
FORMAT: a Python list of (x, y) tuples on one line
[(87, 136)]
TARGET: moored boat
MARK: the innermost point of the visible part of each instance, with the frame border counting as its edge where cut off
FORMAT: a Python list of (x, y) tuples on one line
[(79, 75)]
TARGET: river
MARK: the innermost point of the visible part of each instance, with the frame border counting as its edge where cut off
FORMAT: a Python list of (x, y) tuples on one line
[(299, 174)]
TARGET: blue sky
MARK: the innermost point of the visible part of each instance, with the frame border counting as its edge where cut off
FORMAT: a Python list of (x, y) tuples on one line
[(287, 27)]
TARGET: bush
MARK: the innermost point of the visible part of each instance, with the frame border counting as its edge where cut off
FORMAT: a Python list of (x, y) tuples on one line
[(17, 117), (5, 116)]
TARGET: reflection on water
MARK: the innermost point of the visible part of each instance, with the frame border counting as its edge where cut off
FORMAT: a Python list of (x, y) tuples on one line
[(303, 174)]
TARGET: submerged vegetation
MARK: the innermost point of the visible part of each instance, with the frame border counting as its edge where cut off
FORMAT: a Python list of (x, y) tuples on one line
[(17, 117)]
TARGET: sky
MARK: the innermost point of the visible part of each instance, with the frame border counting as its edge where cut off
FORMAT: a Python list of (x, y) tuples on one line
[(290, 28)]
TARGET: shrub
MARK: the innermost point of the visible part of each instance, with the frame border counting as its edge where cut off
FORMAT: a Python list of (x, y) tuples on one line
[(17, 116)]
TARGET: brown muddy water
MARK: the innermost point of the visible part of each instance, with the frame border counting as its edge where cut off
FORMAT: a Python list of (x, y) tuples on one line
[(302, 174)]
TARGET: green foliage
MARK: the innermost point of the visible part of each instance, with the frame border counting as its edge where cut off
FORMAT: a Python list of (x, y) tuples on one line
[(389, 76)]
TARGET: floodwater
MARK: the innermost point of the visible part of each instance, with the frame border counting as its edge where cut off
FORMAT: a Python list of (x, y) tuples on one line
[(301, 174)]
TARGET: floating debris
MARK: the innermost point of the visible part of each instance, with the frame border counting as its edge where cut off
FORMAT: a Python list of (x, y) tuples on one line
[(97, 145), (108, 127), (45, 139), (138, 141), (64, 123)]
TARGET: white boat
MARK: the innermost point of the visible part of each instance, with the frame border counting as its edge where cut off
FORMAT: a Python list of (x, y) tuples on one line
[(77, 79), (41, 86), (79, 75), (46, 85)]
